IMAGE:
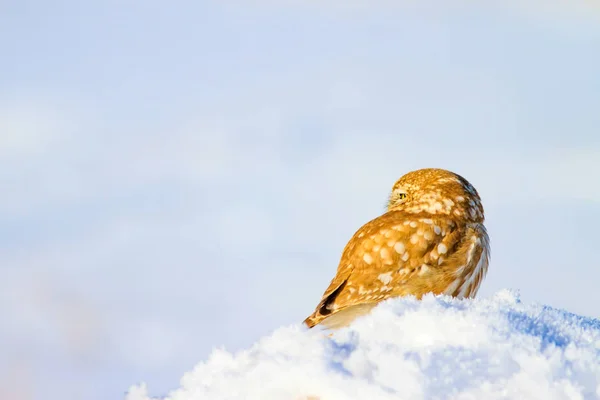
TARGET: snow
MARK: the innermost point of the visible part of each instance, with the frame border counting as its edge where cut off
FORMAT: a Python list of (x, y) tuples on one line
[(436, 348)]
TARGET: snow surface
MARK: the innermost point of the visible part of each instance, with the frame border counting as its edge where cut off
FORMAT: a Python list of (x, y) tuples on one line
[(437, 348)]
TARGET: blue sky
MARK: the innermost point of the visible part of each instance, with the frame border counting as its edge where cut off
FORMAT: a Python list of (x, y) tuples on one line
[(180, 177)]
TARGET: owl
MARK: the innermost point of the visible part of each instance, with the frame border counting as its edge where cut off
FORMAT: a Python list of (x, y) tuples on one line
[(431, 239)]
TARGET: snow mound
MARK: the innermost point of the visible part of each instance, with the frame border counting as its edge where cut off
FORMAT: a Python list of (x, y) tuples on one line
[(436, 348)]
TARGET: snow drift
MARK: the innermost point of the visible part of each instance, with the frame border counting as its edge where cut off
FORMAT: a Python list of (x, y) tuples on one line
[(436, 348)]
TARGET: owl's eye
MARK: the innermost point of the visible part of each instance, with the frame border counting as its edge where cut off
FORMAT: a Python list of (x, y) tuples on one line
[(397, 197)]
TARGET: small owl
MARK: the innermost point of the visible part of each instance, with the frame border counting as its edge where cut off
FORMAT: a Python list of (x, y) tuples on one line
[(431, 239)]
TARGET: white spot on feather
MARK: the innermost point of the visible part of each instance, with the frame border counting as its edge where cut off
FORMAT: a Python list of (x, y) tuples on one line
[(472, 213), (399, 247), (449, 203), (385, 278), (424, 269), (442, 249)]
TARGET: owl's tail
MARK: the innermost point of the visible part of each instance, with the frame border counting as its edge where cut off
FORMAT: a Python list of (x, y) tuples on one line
[(312, 320), (339, 318)]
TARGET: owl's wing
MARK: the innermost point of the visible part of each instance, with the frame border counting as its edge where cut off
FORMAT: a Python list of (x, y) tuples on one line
[(337, 285), (395, 254)]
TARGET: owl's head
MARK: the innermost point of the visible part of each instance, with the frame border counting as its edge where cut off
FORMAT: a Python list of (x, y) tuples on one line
[(436, 191)]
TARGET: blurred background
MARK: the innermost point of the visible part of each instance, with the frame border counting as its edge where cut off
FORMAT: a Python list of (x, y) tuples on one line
[(179, 176)]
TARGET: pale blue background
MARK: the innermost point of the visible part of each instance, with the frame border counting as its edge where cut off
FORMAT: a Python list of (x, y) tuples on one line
[(182, 175)]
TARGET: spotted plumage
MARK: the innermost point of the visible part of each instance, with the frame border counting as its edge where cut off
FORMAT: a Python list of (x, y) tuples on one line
[(431, 239)]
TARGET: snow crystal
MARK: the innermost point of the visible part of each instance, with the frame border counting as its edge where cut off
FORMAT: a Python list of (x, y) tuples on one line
[(436, 348)]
